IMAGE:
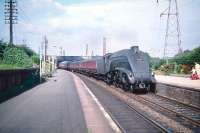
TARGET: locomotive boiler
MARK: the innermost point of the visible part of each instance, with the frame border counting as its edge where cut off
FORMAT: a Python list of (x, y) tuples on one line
[(128, 69)]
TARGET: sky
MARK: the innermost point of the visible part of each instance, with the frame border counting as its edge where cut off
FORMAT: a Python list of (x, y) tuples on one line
[(72, 24)]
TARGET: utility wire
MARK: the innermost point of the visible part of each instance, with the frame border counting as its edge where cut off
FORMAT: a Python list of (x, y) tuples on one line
[(27, 19)]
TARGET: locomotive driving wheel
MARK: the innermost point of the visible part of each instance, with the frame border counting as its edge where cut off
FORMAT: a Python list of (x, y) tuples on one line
[(109, 78), (132, 88), (153, 87), (116, 79), (125, 85)]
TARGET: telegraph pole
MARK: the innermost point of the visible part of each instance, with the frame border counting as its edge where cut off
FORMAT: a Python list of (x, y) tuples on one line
[(173, 33), (45, 47), (92, 54), (104, 46), (45, 53), (11, 16), (41, 54), (61, 51), (86, 50)]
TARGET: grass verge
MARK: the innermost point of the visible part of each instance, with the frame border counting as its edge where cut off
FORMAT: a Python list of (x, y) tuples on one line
[(8, 66)]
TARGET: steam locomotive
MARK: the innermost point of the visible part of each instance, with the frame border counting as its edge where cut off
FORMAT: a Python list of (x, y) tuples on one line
[(128, 69)]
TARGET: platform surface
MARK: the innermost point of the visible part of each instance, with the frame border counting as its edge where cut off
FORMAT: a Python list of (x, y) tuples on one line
[(178, 81), (52, 107)]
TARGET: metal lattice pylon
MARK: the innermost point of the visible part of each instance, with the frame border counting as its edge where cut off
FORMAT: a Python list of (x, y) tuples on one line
[(172, 44)]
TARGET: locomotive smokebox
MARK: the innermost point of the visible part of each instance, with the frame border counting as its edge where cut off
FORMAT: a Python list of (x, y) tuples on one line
[(135, 48)]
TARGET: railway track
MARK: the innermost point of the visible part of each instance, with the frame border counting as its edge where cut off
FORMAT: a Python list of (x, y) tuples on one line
[(187, 116), (129, 118), (189, 113)]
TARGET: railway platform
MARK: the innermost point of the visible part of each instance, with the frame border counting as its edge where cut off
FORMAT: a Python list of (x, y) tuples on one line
[(179, 81), (181, 89), (63, 104)]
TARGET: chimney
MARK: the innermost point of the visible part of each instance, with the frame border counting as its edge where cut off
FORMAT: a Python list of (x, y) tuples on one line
[(135, 49)]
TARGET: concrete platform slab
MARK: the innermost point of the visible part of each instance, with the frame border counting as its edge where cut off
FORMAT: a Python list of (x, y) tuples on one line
[(178, 81), (97, 119)]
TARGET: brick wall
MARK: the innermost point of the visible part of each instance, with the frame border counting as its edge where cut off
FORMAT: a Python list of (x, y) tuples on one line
[(185, 95), (11, 78)]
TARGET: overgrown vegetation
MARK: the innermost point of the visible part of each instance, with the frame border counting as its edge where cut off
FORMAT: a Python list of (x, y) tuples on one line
[(179, 64), (155, 63), (17, 56), (3, 45), (36, 59), (8, 66)]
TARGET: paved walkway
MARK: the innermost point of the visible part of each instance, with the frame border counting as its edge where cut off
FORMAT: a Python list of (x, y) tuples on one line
[(52, 107), (179, 81)]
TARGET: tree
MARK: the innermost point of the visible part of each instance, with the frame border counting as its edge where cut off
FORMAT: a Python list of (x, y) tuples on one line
[(28, 51), (188, 57), (195, 55), (155, 63)]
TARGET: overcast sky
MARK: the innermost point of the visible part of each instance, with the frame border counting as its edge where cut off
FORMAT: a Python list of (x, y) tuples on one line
[(74, 23)]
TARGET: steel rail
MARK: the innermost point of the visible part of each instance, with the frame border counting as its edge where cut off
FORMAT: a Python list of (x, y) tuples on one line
[(197, 123), (151, 121), (131, 95)]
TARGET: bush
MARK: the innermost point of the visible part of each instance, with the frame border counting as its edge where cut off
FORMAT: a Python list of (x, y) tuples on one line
[(2, 48), (26, 49), (185, 69), (155, 63), (16, 56), (177, 68), (36, 59), (167, 68)]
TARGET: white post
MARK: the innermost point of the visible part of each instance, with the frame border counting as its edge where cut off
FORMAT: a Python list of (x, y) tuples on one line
[(40, 53)]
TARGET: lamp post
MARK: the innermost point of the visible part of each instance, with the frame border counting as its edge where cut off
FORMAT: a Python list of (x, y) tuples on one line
[(55, 60), (41, 57)]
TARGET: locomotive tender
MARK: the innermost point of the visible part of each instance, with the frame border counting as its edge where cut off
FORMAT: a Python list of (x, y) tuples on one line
[(128, 69)]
